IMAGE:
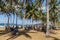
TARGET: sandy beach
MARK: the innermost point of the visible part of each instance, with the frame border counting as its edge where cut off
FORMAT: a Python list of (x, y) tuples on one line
[(31, 35)]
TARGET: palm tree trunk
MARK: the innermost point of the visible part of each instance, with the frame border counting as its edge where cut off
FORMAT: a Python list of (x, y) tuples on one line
[(23, 21), (47, 30), (16, 20), (23, 16), (32, 24), (8, 27), (8, 21), (5, 22), (13, 20), (54, 22)]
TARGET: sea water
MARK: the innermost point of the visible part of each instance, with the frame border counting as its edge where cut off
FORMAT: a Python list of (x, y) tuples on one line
[(2, 25)]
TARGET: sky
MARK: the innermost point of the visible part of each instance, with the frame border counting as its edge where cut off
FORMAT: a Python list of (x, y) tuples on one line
[(4, 19)]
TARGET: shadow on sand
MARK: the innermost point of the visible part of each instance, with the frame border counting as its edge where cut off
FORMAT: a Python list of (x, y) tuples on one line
[(54, 38), (3, 33), (53, 32), (24, 32)]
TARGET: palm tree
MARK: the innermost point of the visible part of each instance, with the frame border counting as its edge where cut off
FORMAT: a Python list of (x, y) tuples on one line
[(5, 10), (2, 10), (31, 13), (13, 9), (54, 11), (47, 30), (34, 11), (23, 7), (8, 12)]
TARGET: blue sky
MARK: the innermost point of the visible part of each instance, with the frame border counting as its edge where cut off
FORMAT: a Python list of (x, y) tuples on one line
[(3, 20)]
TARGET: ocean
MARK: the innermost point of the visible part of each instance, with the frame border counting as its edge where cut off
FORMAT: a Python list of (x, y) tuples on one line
[(2, 24)]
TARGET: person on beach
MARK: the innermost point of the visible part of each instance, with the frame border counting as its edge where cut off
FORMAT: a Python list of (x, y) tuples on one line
[(15, 31), (44, 28)]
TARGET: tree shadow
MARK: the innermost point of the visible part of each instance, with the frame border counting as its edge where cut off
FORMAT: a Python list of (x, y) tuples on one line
[(32, 32), (55, 38), (27, 31), (3, 33), (25, 34), (53, 32), (20, 33)]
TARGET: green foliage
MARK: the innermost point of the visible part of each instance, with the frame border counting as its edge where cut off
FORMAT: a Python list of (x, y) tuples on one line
[(53, 10), (31, 10)]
